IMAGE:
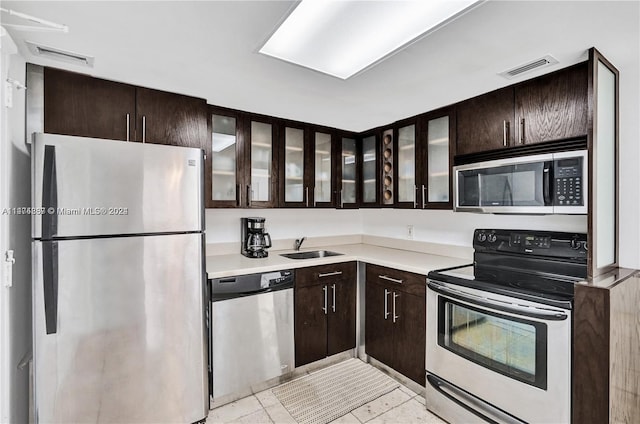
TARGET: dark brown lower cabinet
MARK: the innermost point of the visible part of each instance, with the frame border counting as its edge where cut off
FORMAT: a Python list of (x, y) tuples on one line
[(395, 320), (324, 311)]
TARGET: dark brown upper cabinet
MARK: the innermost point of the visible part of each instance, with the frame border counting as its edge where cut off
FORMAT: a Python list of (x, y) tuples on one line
[(485, 122), (369, 172), (552, 107), (296, 183), (262, 161), (548, 108), (423, 154), (347, 163), (168, 118), (308, 171), (80, 105), (225, 176)]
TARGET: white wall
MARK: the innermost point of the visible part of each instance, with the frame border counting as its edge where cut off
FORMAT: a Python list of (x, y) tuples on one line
[(15, 230), (223, 225), (447, 227), (626, 57)]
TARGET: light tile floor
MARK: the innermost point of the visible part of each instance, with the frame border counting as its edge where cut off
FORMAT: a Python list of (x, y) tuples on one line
[(401, 406)]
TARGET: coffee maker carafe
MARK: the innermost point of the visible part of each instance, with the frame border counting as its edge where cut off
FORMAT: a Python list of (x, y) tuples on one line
[(255, 240)]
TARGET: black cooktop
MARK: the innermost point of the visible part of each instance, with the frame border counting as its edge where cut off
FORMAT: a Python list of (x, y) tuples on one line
[(539, 266)]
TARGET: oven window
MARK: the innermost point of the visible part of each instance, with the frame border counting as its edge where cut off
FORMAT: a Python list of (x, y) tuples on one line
[(511, 346)]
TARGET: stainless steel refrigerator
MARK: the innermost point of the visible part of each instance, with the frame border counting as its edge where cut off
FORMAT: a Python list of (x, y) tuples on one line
[(118, 282)]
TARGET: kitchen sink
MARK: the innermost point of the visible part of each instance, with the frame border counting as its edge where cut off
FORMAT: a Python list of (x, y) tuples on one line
[(311, 254)]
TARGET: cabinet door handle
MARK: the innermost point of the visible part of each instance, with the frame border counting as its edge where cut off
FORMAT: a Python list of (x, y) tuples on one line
[(333, 307), (386, 303), (324, 308), (128, 125), (306, 192), (393, 280), (249, 195), (504, 133), (395, 296), (424, 196), (415, 197), (329, 274), (522, 136), (144, 128), (238, 195)]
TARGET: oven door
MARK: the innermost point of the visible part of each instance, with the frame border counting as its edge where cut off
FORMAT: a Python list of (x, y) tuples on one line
[(498, 357)]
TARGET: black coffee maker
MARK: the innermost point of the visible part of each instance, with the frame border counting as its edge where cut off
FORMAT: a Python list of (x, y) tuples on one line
[(254, 239)]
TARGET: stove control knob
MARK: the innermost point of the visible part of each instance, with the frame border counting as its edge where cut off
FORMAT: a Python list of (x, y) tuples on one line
[(481, 237), (575, 244), (491, 238)]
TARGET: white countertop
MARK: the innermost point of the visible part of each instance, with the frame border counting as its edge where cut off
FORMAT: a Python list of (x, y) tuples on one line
[(219, 266)]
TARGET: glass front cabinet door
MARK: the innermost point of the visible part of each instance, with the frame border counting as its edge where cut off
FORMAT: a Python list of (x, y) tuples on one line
[(225, 157), (261, 188), (348, 168), (369, 183), (324, 170), (438, 130), (423, 159)]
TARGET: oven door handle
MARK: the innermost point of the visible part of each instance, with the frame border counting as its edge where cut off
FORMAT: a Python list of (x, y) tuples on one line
[(530, 312), (477, 406)]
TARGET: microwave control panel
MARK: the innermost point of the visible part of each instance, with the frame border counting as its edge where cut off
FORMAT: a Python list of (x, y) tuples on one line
[(568, 182)]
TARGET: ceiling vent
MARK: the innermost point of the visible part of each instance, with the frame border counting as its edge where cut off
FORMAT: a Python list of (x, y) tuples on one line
[(59, 54), (543, 62)]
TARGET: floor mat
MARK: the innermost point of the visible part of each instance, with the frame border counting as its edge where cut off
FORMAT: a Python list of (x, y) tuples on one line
[(328, 394)]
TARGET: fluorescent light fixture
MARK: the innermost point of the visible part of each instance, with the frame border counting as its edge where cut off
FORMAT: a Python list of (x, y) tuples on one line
[(342, 37)]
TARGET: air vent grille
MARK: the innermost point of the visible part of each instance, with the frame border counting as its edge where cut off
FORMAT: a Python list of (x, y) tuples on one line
[(59, 54), (548, 60)]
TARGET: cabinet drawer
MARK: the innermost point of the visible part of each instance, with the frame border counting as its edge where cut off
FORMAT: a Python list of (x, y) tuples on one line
[(404, 281), (321, 274)]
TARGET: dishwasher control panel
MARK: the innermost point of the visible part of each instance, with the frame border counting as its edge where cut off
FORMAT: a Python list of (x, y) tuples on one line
[(251, 284)]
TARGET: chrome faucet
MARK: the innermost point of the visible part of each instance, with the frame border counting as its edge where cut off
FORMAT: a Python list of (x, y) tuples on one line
[(298, 243)]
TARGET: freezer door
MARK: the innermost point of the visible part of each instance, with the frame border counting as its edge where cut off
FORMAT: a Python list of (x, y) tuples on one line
[(86, 187), (119, 330)]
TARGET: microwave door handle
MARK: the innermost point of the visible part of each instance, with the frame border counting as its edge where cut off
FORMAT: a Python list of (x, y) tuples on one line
[(547, 172)]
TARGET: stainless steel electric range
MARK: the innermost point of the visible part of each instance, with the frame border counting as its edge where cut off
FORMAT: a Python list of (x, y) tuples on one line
[(499, 330)]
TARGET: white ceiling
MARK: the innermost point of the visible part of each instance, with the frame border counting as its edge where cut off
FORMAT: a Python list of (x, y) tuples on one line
[(209, 49)]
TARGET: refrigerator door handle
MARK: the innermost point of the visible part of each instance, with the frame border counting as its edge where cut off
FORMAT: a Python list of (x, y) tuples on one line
[(49, 194), (50, 285)]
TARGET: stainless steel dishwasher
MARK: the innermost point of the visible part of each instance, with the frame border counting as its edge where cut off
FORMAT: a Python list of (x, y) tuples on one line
[(251, 331)]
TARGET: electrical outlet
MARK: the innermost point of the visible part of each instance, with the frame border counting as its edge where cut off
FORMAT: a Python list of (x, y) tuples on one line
[(410, 231)]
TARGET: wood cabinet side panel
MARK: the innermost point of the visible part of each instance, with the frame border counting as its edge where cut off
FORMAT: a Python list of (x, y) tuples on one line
[(625, 351), (590, 362)]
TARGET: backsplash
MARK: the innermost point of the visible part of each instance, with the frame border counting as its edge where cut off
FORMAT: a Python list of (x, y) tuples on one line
[(223, 225), (447, 227), (435, 226)]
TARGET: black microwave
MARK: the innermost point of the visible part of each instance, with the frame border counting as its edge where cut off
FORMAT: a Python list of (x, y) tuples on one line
[(552, 183)]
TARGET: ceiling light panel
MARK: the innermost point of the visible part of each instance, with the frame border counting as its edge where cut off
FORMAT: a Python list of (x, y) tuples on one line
[(342, 37)]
